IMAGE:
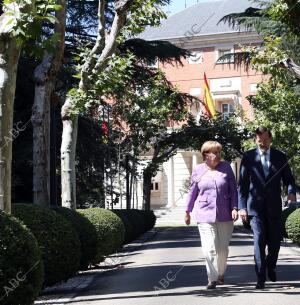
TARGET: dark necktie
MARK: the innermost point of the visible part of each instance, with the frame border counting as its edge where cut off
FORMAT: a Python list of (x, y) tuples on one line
[(264, 163)]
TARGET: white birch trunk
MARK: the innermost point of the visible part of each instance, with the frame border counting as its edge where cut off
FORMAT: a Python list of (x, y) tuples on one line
[(95, 63), (44, 76), (68, 156), (9, 56)]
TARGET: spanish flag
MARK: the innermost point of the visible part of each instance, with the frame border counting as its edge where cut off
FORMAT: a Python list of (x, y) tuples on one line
[(208, 100)]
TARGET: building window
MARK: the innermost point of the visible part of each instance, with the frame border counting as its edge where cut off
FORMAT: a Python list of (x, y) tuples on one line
[(195, 92), (152, 63), (226, 110), (154, 186), (195, 58), (222, 52), (253, 88)]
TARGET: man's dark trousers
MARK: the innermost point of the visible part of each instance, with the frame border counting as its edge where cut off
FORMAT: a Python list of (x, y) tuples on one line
[(260, 196), (267, 231)]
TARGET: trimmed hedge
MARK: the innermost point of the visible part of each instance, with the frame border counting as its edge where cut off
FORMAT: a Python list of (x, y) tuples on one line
[(150, 219), (136, 222), (128, 226), (292, 226), (86, 232), (21, 267), (58, 241), (284, 216), (110, 231)]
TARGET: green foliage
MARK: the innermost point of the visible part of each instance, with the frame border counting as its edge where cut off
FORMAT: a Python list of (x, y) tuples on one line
[(277, 101), (23, 19), (292, 226), (110, 231), (284, 216), (20, 263), (141, 14), (155, 50), (57, 239), (86, 233)]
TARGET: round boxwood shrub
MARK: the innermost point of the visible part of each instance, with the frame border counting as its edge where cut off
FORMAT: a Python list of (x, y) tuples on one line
[(138, 222), (110, 231), (292, 226), (150, 219), (284, 216), (21, 267), (129, 228), (86, 233), (58, 241)]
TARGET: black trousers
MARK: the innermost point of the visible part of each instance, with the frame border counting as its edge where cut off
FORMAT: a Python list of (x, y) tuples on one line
[(267, 234)]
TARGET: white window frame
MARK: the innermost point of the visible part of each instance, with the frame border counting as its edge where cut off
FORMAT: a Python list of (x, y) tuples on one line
[(253, 88), (196, 91), (226, 114), (223, 48), (153, 187), (196, 57), (153, 65)]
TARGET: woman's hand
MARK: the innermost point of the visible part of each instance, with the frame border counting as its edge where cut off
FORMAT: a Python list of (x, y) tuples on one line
[(187, 219), (234, 214)]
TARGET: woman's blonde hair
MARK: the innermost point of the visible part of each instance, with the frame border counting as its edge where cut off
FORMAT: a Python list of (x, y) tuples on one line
[(210, 146)]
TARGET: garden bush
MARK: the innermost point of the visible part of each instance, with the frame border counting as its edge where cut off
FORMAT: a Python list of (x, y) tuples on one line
[(150, 219), (86, 232), (21, 267), (292, 226), (284, 216), (110, 231), (136, 222), (57, 239), (129, 228)]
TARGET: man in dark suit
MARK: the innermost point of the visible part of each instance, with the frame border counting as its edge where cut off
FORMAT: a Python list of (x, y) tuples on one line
[(261, 172)]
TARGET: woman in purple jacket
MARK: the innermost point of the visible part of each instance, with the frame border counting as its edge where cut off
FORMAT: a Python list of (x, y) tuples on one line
[(213, 196)]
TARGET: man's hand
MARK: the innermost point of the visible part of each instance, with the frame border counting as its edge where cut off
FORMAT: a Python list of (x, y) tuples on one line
[(234, 214), (187, 218), (243, 214), (291, 198)]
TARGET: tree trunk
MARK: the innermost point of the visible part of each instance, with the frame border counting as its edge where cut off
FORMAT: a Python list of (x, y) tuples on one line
[(53, 163), (147, 176), (68, 155), (41, 133), (44, 77), (94, 64), (9, 57), (128, 198)]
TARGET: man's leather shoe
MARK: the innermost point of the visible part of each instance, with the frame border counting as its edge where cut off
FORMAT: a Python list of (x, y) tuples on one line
[(272, 275), (260, 285)]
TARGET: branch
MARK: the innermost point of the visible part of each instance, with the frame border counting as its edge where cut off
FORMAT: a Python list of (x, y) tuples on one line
[(121, 7), (52, 62), (60, 29), (97, 49), (290, 65), (244, 20)]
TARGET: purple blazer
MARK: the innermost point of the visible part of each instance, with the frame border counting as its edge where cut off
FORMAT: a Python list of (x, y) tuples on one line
[(213, 197)]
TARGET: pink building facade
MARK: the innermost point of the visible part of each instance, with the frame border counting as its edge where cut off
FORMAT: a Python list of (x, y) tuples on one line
[(197, 30)]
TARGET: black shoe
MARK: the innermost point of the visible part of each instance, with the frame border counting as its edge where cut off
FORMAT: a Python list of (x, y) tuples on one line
[(272, 275), (260, 285), (211, 285)]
